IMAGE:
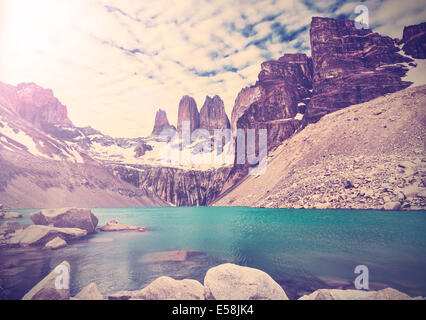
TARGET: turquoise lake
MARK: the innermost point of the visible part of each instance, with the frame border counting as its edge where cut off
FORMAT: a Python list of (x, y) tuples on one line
[(303, 250)]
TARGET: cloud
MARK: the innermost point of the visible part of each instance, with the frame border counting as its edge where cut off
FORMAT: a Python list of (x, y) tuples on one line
[(115, 62)]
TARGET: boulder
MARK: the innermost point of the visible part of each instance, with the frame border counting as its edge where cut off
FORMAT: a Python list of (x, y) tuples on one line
[(168, 256), (56, 243), (165, 288), (10, 227), (232, 282), (40, 235), (10, 215), (392, 206), (350, 294), (90, 292), (51, 287), (113, 225), (66, 218)]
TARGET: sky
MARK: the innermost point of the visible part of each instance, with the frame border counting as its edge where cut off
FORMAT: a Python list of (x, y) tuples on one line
[(114, 63)]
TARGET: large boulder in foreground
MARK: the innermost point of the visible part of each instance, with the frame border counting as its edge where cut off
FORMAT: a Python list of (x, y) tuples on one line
[(67, 218), (232, 282), (337, 294), (55, 286), (165, 288), (90, 292), (40, 235)]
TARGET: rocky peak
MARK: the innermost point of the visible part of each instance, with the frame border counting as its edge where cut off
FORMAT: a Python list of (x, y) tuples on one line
[(244, 99), (351, 66), (213, 115), (414, 40), (188, 111), (161, 123), (35, 104)]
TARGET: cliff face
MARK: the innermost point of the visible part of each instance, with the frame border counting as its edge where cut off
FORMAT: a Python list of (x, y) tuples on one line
[(244, 99), (161, 123), (213, 115), (188, 111), (414, 40), (351, 66), (35, 104), (176, 186)]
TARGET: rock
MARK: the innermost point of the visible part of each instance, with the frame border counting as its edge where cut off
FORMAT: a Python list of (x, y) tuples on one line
[(66, 218), (161, 123), (414, 40), (392, 206), (337, 294), (213, 115), (10, 227), (113, 225), (47, 289), (11, 215), (35, 104), (165, 288), (168, 256), (351, 66), (244, 99), (232, 282), (90, 292), (56, 243), (141, 149), (40, 235), (188, 111)]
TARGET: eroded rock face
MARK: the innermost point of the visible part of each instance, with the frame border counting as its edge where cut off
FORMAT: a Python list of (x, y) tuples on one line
[(35, 104), (213, 115), (244, 99), (47, 288), (351, 66), (165, 288), (161, 123), (414, 40), (66, 218), (232, 282), (188, 111)]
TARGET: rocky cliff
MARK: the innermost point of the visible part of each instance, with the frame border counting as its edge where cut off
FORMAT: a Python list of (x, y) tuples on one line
[(244, 99), (414, 41), (161, 123), (213, 115), (188, 111), (351, 66)]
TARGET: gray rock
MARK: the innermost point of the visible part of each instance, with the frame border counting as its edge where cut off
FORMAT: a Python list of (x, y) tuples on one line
[(392, 206), (11, 215), (66, 218), (9, 227), (90, 292), (232, 282), (337, 294), (165, 288), (47, 289), (56, 243), (40, 235)]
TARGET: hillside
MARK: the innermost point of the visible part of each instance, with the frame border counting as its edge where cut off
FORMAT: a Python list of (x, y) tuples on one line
[(368, 155)]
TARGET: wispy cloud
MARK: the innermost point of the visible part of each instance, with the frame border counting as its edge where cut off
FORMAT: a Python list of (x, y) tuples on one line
[(114, 62)]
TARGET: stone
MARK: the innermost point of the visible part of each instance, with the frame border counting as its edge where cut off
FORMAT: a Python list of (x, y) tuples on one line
[(350, 294), (11, 215), (414, 40), (141, 149), (392, 206), (113, 225), (66, 218), (168, 256), (232, 282), (245, 98), (10, 227), (40, 235), (47, 289), (213, 115), (56, 243), (90, 292), (165, 288), (188, 112)]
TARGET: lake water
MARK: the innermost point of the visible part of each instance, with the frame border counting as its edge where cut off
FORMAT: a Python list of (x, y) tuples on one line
[(303, 250)]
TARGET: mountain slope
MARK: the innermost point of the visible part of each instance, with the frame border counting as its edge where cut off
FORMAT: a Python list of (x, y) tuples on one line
[(364, 156)]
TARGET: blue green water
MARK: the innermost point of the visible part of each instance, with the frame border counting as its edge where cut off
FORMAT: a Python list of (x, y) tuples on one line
[(303, 250)]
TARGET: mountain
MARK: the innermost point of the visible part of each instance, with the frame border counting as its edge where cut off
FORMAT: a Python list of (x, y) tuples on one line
[(188, 112), (213, 115), (161, 123), (366, 156), (414, 41)]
